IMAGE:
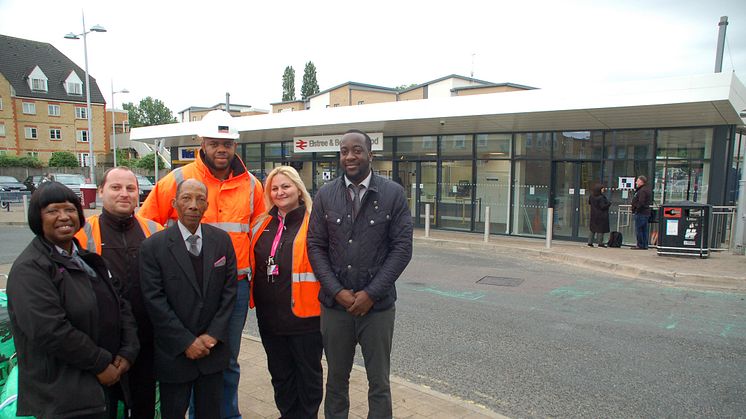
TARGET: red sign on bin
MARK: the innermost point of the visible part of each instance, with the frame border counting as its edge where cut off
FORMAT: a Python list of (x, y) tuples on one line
[(672, 213)]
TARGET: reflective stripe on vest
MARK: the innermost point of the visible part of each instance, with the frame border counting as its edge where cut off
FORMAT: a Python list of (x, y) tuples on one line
[(231, 227), (178, 175), (304, 277), (91, 244), (152, 226)]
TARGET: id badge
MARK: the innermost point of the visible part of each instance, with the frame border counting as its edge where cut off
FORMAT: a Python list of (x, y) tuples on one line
[(273, 270)]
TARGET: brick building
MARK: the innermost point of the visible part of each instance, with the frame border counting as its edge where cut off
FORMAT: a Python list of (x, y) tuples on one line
[(43, 103)]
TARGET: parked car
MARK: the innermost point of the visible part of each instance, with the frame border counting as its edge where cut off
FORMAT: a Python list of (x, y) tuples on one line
[(70, 180), (145, 186), (11, 184)]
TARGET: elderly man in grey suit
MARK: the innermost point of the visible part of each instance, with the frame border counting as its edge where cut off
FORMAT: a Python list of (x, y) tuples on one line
[(188, 275)]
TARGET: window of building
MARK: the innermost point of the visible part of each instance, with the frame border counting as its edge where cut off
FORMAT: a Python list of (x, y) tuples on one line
[(456, 145), (29, 108), (3, 152), (579, 144), (34, 154), (2, 130), (537, 145), (194, 118), (82, 135), (81, 113), (360, 102), (1, 103), (53, 110), (75, 88), (83, 159), (39, 85), (30, 133), (493, 146), (55, 134)]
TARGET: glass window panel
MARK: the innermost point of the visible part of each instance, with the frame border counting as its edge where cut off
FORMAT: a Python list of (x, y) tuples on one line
[(454, 208), (253, 151), (291, 155), (633, 144), (533, 144), (493, 146), (384, 168), (388, 149), (492, 190), (613, 170), (424, 147), (579, 144), (456, 145), (531, 196), (273, 151), (685, 143), (681, 180)]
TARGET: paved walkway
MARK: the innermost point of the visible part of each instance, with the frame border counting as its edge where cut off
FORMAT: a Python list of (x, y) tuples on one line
[(721, 270), (415, 401)]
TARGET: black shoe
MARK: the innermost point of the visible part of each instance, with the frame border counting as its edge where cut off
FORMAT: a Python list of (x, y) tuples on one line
[(590, 244), (602, 245)]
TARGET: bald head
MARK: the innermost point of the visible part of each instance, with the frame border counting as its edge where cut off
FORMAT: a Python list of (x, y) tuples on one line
[(190, 182)]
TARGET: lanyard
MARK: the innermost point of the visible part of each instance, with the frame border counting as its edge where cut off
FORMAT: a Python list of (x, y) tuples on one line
[(278, 235)]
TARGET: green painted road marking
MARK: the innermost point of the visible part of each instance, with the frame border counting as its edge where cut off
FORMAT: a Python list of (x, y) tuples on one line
[(462, 295)]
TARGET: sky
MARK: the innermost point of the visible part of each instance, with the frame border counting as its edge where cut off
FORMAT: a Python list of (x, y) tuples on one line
[(190, 53)]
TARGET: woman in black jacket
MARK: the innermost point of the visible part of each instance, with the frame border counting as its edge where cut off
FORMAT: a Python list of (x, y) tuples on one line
[(75, 337), (599, 214)]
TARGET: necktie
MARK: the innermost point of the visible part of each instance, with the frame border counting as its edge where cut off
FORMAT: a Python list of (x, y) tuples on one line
[(193, 244), (356, 192)]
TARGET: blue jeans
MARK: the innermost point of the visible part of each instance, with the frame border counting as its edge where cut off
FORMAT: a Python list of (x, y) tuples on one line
[(229, 407), (641, 228)]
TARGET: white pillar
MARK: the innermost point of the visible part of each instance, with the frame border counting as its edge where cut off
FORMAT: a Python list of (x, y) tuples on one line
[(25, 206), (486, 224), (427, 220), (740, 232), (550, 227)]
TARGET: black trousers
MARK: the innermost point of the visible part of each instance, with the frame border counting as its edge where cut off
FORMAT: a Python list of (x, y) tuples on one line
[(141, 378), (208, 393), (294, 363)]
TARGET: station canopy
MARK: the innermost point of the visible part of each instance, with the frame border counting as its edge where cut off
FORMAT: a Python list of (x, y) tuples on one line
[(702, 100)]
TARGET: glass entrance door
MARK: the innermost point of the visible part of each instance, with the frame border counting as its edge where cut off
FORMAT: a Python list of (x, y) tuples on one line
[(420, 185), (572, 187)]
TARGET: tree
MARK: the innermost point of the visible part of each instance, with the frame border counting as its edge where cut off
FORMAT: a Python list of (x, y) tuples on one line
[(403, 87), (63, 159), (310, 85), (288, 84), (148, 162), (149, 112), (15, 161)]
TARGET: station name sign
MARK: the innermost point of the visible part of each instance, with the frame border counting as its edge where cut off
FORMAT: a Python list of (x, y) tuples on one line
[(330, 143)]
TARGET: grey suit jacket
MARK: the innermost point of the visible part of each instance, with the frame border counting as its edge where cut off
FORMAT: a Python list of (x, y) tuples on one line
[(179, 309)]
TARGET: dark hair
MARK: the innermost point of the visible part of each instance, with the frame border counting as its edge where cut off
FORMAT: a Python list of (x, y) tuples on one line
[(178, 187), (106, 175), (368, 141), (597, 188), (51, 193), (643, 178)]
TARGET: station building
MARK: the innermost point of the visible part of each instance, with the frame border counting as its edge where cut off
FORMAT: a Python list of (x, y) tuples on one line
[(518, 150)]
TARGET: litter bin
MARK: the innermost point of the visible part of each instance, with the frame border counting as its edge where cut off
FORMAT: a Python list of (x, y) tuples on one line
[(88, 192), (684, 229)]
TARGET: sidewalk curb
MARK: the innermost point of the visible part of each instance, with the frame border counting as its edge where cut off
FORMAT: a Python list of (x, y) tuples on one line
[(469, 405), (653, 275)]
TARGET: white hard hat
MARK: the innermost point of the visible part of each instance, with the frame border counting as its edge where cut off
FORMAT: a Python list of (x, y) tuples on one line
[(218, 124)]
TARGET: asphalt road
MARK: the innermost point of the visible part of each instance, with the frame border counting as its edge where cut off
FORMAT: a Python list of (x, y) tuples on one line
[(565, 342), (13, 239)]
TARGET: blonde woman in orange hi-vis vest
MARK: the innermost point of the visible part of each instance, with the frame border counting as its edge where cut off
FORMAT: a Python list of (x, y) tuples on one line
[(285, 293), (235, 200)]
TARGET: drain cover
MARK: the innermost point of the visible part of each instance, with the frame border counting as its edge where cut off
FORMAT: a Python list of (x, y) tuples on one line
[(501, 281)]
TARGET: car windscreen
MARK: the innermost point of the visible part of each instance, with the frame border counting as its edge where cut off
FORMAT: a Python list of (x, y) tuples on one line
[(69, 179), (8, 179)]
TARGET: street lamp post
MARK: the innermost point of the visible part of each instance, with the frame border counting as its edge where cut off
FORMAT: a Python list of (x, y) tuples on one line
[(71, 35), (113, 120)]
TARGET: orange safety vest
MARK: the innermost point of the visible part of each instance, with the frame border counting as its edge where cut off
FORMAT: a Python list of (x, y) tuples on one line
[(90, 235), (232, 204), (304, 300)]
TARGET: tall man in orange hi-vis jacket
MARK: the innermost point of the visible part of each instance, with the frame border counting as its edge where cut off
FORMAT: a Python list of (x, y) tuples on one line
[(235, 200), (116, 235)]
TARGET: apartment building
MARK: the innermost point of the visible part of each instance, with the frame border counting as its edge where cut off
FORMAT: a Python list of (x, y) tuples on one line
[(353, 93), (196, 113), (43, 103)]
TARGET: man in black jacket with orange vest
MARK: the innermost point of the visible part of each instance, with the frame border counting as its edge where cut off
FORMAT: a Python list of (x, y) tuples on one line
[(359, 242), (116, 235)]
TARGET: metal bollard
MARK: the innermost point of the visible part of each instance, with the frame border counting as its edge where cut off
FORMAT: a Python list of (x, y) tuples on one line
[(427, 220), (550, 227), (486, 224), (25, 206)]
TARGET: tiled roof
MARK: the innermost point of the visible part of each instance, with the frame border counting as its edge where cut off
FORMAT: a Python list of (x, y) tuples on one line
[(19, 57)]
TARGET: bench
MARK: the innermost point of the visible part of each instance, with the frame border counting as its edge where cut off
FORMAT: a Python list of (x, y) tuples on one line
[(12, 197)]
